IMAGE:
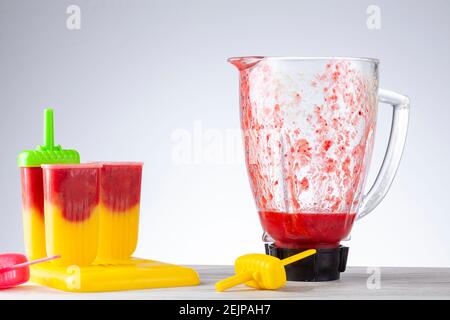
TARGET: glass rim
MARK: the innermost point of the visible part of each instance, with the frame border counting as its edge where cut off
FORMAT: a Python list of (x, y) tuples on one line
[(307, 58), (72, 166), (119, 163)]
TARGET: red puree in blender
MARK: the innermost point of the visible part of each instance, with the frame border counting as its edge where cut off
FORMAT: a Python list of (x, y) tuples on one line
[(311, 230)]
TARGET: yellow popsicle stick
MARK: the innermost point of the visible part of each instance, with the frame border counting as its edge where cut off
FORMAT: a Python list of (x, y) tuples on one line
[(298, 256), (250, 275), (234, 281)]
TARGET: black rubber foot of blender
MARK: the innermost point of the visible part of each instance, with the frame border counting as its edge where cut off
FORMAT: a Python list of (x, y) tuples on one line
[(325, 265)]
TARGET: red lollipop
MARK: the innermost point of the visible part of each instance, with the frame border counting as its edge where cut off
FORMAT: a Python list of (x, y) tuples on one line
[(14, 269)]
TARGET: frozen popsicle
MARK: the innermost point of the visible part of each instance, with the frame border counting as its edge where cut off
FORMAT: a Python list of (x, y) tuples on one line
[(261, 271), (30, 162), (120, 194), (71, 202)]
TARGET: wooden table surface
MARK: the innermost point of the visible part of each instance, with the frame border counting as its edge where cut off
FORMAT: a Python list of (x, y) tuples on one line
[(355, 283)]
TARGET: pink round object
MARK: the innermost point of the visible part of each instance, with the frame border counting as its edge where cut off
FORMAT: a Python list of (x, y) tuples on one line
[(12, 278)]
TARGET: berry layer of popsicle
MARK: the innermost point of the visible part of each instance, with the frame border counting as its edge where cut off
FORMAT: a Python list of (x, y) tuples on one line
[(120, 194), (33, 212), (71, 194)]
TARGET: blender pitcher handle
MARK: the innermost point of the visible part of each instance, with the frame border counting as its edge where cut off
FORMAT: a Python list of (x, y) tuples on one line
[(391, 161)]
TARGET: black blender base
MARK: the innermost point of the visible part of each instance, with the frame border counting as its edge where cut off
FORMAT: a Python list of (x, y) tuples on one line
[(325, 265)]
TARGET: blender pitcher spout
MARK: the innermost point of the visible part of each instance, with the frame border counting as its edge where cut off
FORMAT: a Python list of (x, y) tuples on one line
[(243, 63)]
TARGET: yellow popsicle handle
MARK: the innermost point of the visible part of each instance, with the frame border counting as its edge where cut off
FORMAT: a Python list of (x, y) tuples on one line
[(298, 256), (230, 282)]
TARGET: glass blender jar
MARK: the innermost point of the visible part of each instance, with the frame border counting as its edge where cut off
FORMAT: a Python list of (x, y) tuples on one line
[(308, 129)]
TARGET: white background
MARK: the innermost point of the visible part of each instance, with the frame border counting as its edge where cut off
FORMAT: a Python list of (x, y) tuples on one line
[(137, 71)]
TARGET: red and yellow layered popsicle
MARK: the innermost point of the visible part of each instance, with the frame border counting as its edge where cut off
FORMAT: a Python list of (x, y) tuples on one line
[(33, 212), (30, 162), (120, 195), (71, 201)]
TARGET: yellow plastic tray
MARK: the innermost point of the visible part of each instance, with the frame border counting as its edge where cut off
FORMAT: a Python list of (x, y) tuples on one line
[(132, 274)]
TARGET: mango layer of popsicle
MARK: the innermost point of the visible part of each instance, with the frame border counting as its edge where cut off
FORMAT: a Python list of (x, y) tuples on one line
[(33, 212), (120, 193), (71, 201)]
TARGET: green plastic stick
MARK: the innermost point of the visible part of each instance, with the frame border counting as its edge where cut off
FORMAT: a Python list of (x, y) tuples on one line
[(48, 129)]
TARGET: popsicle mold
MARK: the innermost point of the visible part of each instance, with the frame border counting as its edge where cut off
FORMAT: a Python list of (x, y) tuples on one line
[(71, 202), (91, 220), (29, 162), (132, 274), (120, 195), (88, 215)]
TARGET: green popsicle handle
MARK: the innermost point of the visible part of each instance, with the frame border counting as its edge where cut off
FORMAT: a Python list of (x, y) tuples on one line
[(48, 129), (48, 152)]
